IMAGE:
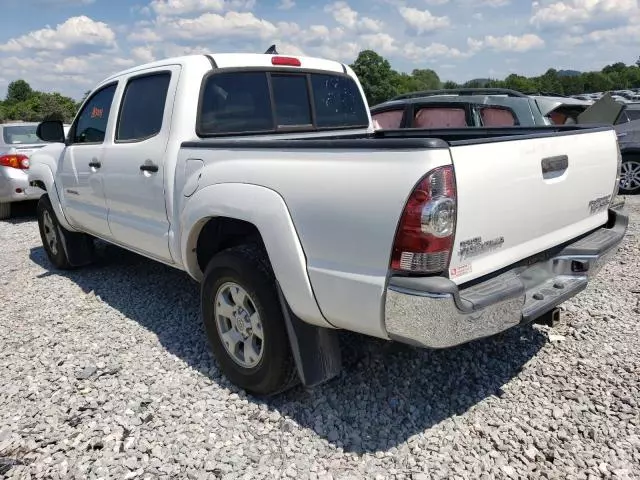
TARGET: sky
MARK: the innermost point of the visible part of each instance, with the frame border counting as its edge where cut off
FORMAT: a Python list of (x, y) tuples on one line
[(69, 45)]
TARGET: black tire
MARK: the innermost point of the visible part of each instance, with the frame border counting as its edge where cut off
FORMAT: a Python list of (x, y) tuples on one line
[(5, 210), (248, 267), (631, 162), (53, 238)]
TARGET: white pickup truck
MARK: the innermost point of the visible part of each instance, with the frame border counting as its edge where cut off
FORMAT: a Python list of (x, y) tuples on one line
[(262, 178)]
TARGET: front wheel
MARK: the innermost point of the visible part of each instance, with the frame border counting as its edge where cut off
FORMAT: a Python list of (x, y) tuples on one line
[(244, 321), (53, 236), (630, 175), (5, 210)]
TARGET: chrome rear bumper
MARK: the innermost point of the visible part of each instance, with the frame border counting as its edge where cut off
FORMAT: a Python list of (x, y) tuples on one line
[(434, 312)]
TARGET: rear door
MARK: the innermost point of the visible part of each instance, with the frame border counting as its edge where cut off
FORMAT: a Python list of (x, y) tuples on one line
[(134, 169), (519, 196)]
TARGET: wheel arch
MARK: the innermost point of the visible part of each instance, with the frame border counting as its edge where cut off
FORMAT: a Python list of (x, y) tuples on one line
[(225, 215), (41, 175)]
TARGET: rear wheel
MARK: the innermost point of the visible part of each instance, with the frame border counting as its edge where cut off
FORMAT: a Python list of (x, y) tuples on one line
[(630, 175), (244, 321), (5, 210)]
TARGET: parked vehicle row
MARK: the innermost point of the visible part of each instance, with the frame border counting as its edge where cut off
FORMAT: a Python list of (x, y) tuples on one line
[(468, 107), (18, 141), (262, 177)]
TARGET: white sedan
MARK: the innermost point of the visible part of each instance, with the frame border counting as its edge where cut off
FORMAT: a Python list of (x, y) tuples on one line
[(17, 142)]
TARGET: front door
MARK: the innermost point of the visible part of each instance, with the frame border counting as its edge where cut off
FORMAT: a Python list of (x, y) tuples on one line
[(80, 167), (134, 172)]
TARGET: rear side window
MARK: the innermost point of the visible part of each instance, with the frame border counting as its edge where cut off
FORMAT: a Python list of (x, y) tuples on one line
[(440, 117), (497, 117), (142, 108), (388, 119), (252, 102)]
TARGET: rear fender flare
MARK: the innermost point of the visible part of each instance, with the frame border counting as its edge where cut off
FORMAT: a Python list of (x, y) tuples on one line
[(267, 211)]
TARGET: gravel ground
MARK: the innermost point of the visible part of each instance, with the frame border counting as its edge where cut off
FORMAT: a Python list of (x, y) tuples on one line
[(105, 373)]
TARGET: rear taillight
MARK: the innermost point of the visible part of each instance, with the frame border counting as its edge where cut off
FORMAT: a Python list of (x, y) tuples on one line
[(424, 239), (14, 160)]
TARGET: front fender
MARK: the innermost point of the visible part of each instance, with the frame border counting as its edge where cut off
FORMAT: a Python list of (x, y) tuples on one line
[(40, 170), (265, 209)]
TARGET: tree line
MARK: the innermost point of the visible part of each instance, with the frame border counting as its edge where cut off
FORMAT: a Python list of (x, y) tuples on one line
[(380, 82), (29, 105)]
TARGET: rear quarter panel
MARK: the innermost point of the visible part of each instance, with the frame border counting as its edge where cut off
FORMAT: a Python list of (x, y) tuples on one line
[(344, 205)]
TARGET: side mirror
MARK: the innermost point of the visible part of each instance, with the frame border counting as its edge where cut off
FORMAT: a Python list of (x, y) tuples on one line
[(51, 131)]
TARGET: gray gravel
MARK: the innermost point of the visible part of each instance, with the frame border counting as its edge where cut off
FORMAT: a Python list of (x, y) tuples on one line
[(105, 373)]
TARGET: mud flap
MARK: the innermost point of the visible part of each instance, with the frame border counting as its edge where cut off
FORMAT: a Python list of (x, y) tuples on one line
[(316, 350), (77, 246)]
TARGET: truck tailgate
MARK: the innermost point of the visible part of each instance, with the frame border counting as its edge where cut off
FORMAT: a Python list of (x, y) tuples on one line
[(523, 195)]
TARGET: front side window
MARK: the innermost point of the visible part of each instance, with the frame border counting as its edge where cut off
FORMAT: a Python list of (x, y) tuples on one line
[(92, 121), (142, 108), (250, 102)]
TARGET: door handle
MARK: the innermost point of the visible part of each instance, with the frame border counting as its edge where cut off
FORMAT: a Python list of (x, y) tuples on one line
[(148, 167), (95, 164)]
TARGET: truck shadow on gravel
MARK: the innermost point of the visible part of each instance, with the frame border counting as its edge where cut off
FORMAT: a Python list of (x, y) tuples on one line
[(386, 393)]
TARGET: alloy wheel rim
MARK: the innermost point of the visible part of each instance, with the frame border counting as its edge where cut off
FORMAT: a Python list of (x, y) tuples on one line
[(50, 233), (630, 175), (239, 325)]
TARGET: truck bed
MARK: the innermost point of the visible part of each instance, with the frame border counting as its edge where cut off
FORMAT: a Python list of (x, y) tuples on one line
[(406, 138)]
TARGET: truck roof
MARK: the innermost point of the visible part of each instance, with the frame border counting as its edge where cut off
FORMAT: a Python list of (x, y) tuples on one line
[(237, 60)]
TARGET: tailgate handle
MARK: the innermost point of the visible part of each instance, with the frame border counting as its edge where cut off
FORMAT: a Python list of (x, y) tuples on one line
[(555, 164)]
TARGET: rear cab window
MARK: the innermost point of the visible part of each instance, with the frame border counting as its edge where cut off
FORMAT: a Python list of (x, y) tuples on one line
[(245, 102), (19, 134)]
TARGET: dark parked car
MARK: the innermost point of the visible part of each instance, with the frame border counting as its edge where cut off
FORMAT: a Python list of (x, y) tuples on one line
[(475, 107)]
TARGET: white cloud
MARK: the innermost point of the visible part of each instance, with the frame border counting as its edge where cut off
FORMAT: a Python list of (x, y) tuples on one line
[(382, 43), (493, 3), (177, 8), (348, 17), (75, 32), (286, 4), (143, 54), (580, 11), (625, 35), (507, 43), (210, 25), (419, 53), (423, 21)]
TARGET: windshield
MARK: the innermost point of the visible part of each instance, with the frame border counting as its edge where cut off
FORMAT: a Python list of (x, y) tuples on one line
[(20, 134)]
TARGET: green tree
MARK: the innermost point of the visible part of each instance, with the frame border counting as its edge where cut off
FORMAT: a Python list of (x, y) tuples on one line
[(378, 79), (449, 85), (18, 91), (426, 79), (520, 83)]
